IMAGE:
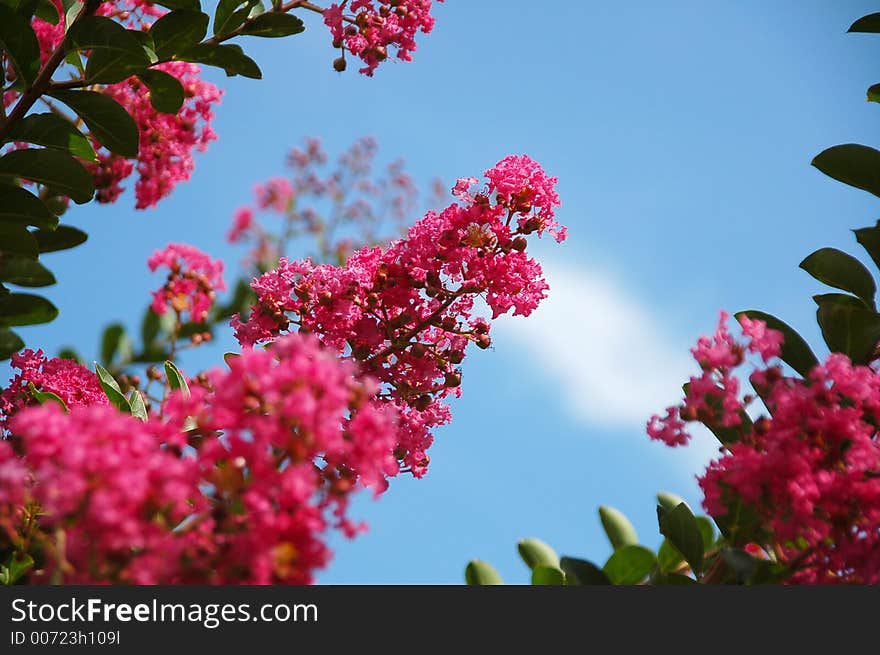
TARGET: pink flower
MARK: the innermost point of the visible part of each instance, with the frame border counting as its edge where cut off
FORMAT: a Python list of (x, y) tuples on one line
[(243, 223), (276, 193), (764, 341), (374, 27), (192, 282)]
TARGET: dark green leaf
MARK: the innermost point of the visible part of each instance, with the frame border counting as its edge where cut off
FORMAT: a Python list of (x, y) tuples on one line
[(43, 397), (62, 238), (548, 576), (869, 238), (869, 23), (629, 565), (668, 500), (840, 299), (481, 573), (16, 239), (175, 378), (52, 131), (680, 527), (111, 340), (535, 552), (166, 91), (740, 524), (112, 390), (51, 168), (669, 557), (230, 58), (18, 41), (178, 31), (149, 328), (842, 271), (20, 206), (108, 122), (115, 53), (71, 354), (582, 572), (618, 528), (795, 351), (852, 164), (24, 271), (707, 530), (230, 14), (138, 407), (874, 93), (849, 330), (274, 24), (191, 5), (47, 11), (10, 343), (26, 309), (743, 565)]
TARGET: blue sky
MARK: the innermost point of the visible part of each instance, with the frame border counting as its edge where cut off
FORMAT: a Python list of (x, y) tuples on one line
[(681, 134)]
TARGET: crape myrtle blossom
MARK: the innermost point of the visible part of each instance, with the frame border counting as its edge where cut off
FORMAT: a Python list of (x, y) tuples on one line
[(237, 482), (406, 312), (193, 280), (809, 470), (371, 29)]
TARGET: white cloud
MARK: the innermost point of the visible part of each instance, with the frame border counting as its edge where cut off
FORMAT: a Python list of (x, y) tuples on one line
[(607, 351)]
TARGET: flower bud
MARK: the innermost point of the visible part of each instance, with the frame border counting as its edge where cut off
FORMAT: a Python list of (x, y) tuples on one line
[(483, 341), (339, 64), (453, 379), (519, 244)]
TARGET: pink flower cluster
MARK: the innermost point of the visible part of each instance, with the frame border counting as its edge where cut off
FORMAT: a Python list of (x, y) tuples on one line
[(167, 141), (407, 312), (809, 471), (370, 27), (193, 280), (281, 440), (74, 384), (334, 209)]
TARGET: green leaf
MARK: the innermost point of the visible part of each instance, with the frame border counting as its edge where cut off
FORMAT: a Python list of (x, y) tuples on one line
[(582, 572), (52, 131), (668, 500), (61, 238), (840, 299), (680, 527), (869, 239), (16, 567), (673, 578), (115, 53), (668, 557), (230, 58), (138, 407), (51, 168), (548, 576), (842, 271), (190, 5), (16, 239), (108, 122), (273, 25), (535, 552), (869, 23), (852, 164), (26, 309), (18, 205), (795, 352), (480, 573), (111, 341), (618, 528), (24, 271), (166, 91), (743, 565), (849, 330), (874, 93), (18, 41), (707, 530), (112, 390), (149, 328), (178, 31), (629, 565), (71, 354), (43, 397), (740, 524), (47, 11), (230, 14), (175, 378), (10, 343)]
